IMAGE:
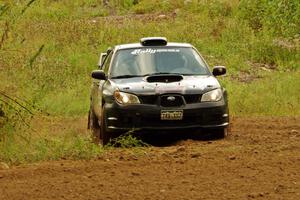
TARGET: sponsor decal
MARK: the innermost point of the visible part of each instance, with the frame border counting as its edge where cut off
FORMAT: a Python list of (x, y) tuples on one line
[(153, 51)]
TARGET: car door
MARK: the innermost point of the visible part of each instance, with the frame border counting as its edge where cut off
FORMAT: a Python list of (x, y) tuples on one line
[(98, 86)]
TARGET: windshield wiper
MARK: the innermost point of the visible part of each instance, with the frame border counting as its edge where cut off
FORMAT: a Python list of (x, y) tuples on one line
[(125, 76), (150, 74), (190, 74), (160, 73)]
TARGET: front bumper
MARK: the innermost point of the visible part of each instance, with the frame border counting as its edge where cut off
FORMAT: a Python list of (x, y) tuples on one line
[(147, 117)]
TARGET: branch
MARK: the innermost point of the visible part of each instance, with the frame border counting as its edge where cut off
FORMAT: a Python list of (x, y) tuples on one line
[(21, 117), (31, 61), (4, 35), (17, 111), (10, 98), (27, 6), (25, 102), (3, 9)]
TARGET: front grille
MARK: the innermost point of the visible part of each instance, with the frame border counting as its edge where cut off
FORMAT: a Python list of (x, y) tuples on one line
[(152, 99), (192, 98), (148, 99), (171, 101)]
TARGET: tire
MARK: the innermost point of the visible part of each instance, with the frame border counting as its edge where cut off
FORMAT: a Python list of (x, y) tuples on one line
[(105, 136), (220, 133), (93, 125)]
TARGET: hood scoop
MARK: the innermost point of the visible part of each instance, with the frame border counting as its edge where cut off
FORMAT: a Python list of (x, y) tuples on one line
[(164, 78)]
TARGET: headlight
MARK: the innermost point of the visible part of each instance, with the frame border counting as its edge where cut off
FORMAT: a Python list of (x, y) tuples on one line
[(214, 95), (126, 98)]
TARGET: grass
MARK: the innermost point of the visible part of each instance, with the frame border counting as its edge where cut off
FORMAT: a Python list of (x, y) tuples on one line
[(54, 148), (48, 138), (48, 49), (271, 96), (127, 140)]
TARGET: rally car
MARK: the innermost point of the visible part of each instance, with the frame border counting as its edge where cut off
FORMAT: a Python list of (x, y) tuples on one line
[(156, 85)]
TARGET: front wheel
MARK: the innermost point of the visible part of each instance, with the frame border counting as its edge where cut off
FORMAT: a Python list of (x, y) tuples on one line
[(105, 136), (220, 133), (94, 126)]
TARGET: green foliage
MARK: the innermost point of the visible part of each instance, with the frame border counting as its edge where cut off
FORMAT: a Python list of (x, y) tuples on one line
[(273, 96), (56, 54), (282, 17), (16, 150), (279, 53), (15, 114), (127, 141), (145, 6)]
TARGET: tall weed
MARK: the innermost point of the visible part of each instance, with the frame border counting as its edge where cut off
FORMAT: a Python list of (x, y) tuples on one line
[(281, 17)]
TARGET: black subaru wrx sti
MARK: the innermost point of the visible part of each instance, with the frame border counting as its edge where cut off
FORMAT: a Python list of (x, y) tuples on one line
[(155, 84)]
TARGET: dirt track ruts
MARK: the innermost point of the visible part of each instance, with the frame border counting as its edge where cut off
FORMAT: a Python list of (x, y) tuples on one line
[(259, 160)]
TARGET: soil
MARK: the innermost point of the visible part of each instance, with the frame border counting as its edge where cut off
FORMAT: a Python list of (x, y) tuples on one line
[(259, 160)]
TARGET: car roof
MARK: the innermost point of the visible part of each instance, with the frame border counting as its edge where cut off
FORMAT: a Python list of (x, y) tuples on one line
[(138, 45)]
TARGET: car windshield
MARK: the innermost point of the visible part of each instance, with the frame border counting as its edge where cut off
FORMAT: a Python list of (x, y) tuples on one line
[(157, 60)]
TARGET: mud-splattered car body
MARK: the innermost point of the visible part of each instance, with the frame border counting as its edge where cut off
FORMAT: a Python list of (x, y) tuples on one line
[(156, 85)]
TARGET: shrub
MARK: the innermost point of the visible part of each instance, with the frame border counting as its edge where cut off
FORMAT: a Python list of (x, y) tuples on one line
[(128, 140), (279, 16)]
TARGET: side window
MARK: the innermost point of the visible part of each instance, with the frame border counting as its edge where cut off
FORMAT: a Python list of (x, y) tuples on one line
[(107, 62)]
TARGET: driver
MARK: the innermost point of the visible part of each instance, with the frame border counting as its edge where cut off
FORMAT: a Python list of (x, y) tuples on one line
[(170, 62)]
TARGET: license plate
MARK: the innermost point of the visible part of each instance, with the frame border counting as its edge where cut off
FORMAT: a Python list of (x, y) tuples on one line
[(171, 115)]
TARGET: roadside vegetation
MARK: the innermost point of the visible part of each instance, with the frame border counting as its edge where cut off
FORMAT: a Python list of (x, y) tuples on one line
[(48, 49)]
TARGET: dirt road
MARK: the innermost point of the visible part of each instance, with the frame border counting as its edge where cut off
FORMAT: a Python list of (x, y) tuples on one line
[(259, 160)]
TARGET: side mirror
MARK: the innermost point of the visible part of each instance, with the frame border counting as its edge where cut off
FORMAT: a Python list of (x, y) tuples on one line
[(101, 59), (98, 74), (219, 70)]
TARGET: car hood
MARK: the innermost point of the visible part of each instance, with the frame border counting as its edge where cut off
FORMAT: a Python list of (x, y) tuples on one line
[(188, 85)]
